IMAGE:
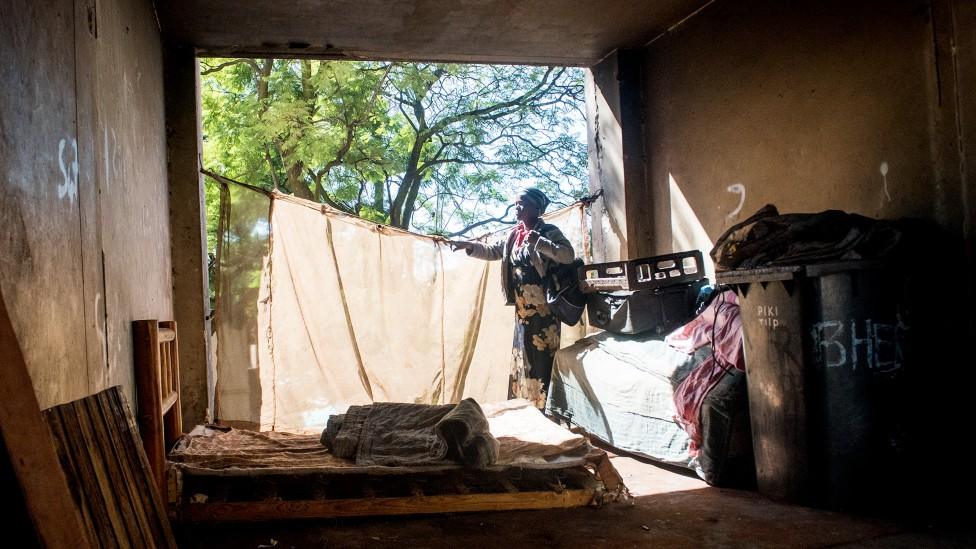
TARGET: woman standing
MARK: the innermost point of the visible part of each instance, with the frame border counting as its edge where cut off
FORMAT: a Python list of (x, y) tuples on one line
[(532, 248)]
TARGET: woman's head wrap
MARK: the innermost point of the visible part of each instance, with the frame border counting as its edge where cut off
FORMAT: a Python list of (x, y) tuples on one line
[(536, 197)]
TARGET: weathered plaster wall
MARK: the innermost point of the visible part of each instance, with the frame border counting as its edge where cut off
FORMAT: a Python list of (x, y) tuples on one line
[(811, 105), (133, 196), (85, 248), (40, 273), (807, 105)]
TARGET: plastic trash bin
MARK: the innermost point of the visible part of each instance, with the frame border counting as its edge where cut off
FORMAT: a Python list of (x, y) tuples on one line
[(825, 349)]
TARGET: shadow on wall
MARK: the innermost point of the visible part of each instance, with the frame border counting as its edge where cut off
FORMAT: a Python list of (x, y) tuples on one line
[(687, 231)]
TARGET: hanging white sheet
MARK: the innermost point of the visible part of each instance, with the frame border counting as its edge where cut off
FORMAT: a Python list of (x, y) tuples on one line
[(318, 310)]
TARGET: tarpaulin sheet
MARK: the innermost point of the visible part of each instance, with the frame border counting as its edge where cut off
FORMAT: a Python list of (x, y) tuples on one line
[(318, 310), (620, 388)]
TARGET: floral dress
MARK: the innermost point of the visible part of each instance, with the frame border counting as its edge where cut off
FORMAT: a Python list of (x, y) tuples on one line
[(536, 338)]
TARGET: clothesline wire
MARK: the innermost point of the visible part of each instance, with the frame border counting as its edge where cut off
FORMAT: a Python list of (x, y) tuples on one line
[(585, 201)]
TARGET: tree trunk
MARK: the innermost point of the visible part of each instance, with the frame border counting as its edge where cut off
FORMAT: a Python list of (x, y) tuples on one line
[(264, 73), (406, 194), (294, 166), (296, 179), (411, 200), (319, 192), (378, 197)]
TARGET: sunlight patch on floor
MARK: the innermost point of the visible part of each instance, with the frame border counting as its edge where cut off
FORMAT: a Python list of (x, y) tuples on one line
[(643, 479)]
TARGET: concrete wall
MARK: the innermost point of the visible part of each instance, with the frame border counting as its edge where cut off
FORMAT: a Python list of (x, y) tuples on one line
[(83, 202), (810, 105), (188, 230), (807, 105), (604, 137), (615, 128)]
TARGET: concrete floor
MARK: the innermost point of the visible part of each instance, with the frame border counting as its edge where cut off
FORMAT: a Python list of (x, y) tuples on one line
[(669, 509)]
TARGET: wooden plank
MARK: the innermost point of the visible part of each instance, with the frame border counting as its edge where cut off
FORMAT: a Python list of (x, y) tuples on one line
[(461, 487), (508, 486), (279, 510), (33, 457), (169, 400), (127, 482), (145, 335), (69, 465), (152, 503), (89, 203), (174, 480), (83, 477), (606, 472), (163, 368), (105, 494), (174, 420), (116, 459), (140, 465)]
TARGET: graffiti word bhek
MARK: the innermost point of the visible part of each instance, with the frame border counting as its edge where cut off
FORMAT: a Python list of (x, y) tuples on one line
[(871, 345)]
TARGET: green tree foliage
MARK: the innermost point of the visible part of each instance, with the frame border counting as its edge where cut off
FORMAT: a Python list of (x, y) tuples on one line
[(428, 147)]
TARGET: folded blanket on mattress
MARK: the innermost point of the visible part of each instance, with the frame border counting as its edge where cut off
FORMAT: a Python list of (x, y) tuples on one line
[(395, 434)]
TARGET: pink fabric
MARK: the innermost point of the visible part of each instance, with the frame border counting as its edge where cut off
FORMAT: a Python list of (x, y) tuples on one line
[(720, 325), (521, 232)]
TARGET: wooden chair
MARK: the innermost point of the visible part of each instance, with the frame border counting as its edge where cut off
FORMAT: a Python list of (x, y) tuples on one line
[(157, 373)]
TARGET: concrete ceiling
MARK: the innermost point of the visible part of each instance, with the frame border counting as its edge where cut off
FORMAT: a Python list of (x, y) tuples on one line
[(564, 32)]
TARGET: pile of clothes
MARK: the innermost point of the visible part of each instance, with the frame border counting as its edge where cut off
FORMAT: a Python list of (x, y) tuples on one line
[(768, 239), (398, 434)]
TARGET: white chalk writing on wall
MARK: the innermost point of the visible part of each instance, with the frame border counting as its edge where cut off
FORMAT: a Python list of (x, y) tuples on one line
[(884, 179), (876, 346), (740, 189), (99, 325), (110, 150), (68, 188)]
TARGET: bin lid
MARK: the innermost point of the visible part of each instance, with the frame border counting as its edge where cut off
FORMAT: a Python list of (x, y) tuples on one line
[(765, 274), (790, 272)]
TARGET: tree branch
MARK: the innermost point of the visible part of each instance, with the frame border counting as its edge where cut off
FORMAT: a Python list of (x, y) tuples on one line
[(231, 63), (500, 219)]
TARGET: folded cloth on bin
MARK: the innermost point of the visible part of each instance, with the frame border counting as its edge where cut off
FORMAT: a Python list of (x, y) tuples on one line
[(388, 433), (769, 239), (719, 326)]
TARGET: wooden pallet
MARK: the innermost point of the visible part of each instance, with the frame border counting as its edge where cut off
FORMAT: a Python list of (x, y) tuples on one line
[(101, 453), (215, 497), (202, 495)]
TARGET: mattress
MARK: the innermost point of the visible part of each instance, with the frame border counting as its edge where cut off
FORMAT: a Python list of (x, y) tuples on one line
[(527, 439)]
